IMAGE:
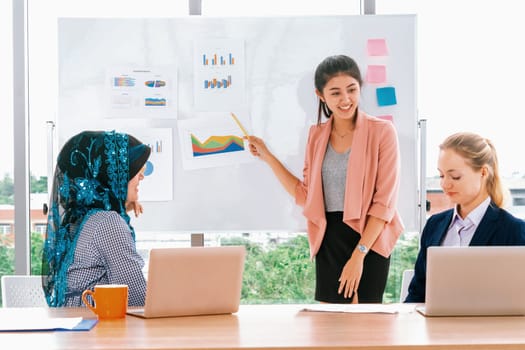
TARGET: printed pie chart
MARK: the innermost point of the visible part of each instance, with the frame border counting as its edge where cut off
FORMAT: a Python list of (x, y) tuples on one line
[(149, 168)]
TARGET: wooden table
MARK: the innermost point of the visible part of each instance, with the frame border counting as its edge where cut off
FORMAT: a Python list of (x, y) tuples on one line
[(279, 327)]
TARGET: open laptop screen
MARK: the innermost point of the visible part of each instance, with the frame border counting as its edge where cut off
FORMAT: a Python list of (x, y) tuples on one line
[(475, 281), (193, 281)]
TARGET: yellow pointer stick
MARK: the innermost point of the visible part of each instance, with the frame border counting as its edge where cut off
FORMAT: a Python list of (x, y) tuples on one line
[(239, 124)]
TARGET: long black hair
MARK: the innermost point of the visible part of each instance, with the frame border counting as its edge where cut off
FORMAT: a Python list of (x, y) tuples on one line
[(329, 68)]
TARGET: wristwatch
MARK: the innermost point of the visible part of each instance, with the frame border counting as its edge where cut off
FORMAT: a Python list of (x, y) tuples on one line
[(362, 248)]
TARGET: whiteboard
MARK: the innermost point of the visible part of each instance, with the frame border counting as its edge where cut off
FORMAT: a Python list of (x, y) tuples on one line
[(277, 103)]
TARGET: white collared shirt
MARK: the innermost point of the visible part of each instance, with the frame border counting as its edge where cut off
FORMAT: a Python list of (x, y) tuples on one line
[(461, 231)]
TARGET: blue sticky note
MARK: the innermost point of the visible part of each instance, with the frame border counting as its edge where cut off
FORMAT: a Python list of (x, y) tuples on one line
[(386, 96)]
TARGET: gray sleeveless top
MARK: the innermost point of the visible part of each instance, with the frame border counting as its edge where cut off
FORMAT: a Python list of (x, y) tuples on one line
[(334, 178)]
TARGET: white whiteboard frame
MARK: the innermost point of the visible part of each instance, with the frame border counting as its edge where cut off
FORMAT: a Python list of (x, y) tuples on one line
[(164, 216)]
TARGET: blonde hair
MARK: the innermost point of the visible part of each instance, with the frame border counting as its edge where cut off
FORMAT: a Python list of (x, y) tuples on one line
[(479, 152)]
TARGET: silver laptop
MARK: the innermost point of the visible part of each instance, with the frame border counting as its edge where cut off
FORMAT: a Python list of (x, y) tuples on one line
[(475, 281), (193, 281)]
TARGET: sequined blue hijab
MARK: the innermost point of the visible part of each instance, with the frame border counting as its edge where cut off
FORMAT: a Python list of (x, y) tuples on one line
[(92, 174)]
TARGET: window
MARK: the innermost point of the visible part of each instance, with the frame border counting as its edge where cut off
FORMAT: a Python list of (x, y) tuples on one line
[(7, 248), (43, 73), (40, 228), (6, 229), (279, 8), (468, 78), (469, 75)]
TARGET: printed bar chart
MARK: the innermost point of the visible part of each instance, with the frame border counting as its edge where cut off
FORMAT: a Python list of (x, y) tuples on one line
[(218, 60), (218, 83)]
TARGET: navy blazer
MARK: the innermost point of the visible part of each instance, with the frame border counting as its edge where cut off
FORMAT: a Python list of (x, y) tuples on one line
[(497, 227)]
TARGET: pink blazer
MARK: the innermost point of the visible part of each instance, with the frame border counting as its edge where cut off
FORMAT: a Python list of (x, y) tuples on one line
[(372, 182)]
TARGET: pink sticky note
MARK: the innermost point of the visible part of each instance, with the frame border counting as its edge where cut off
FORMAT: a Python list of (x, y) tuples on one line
[(386, 117), (377, 47), (376, 74)]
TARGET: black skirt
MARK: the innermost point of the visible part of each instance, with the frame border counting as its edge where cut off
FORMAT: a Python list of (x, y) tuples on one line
[(338, 244)]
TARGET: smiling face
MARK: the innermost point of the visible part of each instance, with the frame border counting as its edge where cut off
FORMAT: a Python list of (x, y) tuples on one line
[(133, 186), (462, 184), (341, 94)]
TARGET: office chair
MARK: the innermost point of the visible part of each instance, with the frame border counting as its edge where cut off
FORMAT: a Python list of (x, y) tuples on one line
[(405, 282), (22, 291)]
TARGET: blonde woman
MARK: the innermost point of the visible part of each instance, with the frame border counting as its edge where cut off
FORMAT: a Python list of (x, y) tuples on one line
[(468, 168)]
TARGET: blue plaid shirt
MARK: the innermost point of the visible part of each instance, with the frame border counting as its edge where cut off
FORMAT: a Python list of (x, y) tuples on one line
[(106, 254)]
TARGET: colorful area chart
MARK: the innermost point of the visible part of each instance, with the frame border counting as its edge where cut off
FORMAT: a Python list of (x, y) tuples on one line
[(216, 145), (150, 101)]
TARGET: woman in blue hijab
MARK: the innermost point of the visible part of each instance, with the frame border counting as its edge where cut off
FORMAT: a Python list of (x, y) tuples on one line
[(89, 238)]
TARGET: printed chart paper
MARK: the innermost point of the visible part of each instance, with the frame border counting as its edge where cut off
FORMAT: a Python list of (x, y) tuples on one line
[(141, 92), (212, 142), (219, 74)]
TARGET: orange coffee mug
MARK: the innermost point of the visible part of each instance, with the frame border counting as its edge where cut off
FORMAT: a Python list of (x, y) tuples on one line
[(111, 300)]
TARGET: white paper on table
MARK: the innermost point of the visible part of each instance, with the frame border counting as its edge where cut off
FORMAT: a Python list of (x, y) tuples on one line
[(354, 308), (38, 323)]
